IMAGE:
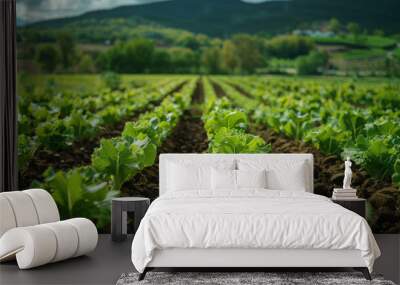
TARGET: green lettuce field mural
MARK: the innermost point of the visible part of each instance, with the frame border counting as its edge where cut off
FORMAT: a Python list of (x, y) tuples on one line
[(104, 88)]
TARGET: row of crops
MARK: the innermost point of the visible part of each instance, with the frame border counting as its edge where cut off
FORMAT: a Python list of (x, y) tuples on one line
[(360, 121), (226, 126), (342, 120), (54, 121), (86, 190)]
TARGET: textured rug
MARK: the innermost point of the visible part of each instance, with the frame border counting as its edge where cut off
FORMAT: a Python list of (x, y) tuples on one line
[(244, 278)]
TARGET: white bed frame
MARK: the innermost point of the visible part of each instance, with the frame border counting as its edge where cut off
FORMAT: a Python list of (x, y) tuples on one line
[(251, 258)]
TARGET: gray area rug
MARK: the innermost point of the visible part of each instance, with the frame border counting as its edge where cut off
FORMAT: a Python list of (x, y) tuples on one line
[(243, 278)]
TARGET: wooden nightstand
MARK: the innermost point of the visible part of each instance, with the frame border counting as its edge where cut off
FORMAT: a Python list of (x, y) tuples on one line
[(357, 205)]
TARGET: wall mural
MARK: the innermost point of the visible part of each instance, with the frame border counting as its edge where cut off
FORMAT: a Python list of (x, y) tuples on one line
[(105, 86)]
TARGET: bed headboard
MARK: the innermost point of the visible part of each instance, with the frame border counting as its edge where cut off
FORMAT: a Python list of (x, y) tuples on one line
[(205, 157)]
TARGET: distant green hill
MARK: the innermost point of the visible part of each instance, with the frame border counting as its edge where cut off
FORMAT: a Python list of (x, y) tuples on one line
[(225, 17), (108, 31)]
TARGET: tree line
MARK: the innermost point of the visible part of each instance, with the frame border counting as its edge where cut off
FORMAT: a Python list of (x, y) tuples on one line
[(241, 54)]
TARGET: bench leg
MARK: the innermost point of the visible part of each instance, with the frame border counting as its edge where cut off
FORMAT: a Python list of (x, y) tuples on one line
[(143, 274), (364, 271)]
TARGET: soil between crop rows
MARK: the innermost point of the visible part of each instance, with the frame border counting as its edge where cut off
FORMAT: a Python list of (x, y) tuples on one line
[(80, 152), (240, 90), (218, 90), (188, 136)]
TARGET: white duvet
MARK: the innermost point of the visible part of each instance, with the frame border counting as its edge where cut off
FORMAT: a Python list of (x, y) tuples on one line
[(250, 219)]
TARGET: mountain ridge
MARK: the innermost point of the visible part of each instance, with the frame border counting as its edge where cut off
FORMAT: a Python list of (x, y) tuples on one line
[(226, 17)]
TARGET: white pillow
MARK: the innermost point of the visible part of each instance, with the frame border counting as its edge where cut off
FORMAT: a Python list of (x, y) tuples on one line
[(226, 179), (183, 177), (251, 179), (282, 174), (193, 175), (223, 179)]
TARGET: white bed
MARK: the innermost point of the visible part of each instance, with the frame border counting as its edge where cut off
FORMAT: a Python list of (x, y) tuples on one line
[(250, 227)]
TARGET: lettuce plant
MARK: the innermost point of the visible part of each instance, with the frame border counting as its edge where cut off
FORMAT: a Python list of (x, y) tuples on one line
[(376, 155), (224, 118), (79, 193), (235, 141), (55, 134), (122, 159), (81, 126), (379, 158), (295, 125), (352, 121), (26, 150), (226, 130), (327, 139)]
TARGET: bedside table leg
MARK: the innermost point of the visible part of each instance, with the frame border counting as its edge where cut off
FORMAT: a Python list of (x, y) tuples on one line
[(116, 222)]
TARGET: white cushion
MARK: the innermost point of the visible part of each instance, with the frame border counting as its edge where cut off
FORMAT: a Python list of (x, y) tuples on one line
[(67, 240), (32, 246), (30, 230), (282, 174), (45, 206), (231, 180), (223, 179), (87, 235), (186, 175), (7, 218), (206, 159), (40, 244), (251, 178), (26, 208), (23, 208)]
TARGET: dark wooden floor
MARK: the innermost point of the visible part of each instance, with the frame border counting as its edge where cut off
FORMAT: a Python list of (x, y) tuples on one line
[(110, 260)]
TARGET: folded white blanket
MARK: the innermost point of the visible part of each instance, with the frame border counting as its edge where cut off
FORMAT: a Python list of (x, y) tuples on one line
[(250, 219)]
